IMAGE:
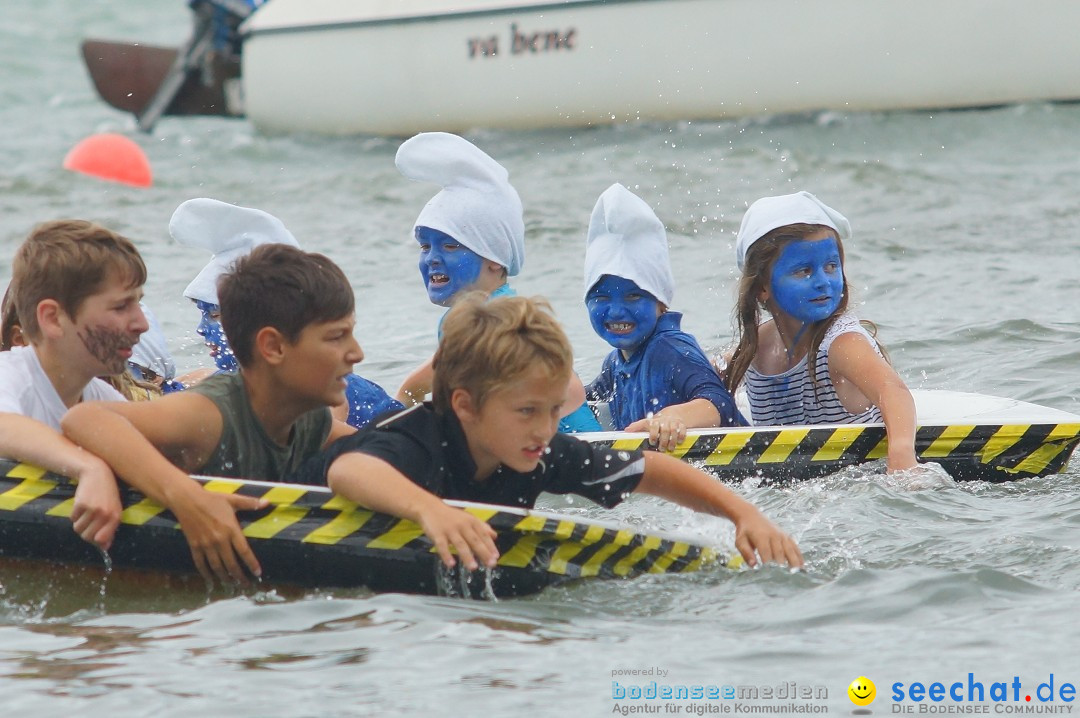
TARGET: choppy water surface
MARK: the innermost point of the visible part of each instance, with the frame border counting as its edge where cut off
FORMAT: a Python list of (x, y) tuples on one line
[(965, 254)]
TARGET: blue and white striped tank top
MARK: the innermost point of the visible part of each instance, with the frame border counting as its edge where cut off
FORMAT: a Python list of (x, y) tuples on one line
[(789, 398)]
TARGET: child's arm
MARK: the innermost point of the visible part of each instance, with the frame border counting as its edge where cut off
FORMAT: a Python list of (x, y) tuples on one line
[(375, 484), (575, 395), (676, 481), (96, 512), (133, 438), (703, 400), (853, 358), (667, 427), (338, 429), (416, 386)]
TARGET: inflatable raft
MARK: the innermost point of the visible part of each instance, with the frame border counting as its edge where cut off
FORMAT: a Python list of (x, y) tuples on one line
[(310, 537), (974, 437)]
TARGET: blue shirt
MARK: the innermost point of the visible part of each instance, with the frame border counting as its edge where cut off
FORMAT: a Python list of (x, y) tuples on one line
[(669, 368), (367, 400), (579, 420), (502, 291)]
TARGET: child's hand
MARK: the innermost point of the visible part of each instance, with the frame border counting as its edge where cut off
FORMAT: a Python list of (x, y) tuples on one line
[(666, 431), (96, 512), (213, 533), (448, 527), (755, 533)]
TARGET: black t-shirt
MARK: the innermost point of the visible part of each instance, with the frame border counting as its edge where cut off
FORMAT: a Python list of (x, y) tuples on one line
[(430, 449)]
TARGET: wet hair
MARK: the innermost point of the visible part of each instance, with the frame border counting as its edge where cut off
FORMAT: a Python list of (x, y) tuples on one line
[(280, 286), (487, 345), (757, 272), (69, 260)]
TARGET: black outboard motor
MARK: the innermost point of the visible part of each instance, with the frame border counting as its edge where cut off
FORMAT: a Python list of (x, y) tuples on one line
[(214, 43)]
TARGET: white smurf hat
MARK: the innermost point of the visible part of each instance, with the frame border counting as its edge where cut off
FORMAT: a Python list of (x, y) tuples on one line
[(477, 205), (769, 213), (152, 350), (627, 239), (229, 232)]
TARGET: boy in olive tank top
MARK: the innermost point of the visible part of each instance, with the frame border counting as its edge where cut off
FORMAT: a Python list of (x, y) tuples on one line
[(289, 318)]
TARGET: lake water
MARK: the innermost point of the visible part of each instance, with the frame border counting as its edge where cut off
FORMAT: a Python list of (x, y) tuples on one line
[(965, 254)]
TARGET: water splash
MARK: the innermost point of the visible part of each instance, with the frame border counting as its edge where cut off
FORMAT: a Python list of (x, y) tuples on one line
[(107, 560), (930, 475), (458, 582)]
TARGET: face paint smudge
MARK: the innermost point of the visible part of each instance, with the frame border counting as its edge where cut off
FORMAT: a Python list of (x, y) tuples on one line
[(104, 345)]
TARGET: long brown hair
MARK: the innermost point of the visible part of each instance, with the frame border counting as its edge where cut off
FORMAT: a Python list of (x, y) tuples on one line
[(757, 271)]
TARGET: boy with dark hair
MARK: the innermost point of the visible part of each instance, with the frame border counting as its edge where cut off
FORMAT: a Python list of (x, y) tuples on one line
[(500, 382), (231, 231), (288, 315), (74, 296)]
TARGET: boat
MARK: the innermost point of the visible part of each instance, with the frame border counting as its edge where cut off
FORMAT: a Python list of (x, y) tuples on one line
[(309, 537), (974, 437), (342, 67)]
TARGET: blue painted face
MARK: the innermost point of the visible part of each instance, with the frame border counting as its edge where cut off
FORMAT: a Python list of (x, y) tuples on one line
[(623, 314), (808, 279), (210, 330), (446, 265)]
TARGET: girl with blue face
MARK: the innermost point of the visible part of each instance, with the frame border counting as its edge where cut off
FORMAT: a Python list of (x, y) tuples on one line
[(213, 335), (814, 362), (622, 314), (446, 265), (807, 279)]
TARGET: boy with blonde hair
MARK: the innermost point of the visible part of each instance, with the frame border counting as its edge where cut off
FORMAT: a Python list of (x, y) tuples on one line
[(500, 383), (74, 291), (288, 316)]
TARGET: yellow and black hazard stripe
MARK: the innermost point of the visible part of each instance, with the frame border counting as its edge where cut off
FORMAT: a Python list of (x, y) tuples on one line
[(309, 536), (969, 452)]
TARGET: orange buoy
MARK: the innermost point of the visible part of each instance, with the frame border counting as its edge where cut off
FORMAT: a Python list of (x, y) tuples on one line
[(111, 157)]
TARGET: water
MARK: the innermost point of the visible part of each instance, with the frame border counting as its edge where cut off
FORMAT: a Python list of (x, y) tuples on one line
[(965, 254)]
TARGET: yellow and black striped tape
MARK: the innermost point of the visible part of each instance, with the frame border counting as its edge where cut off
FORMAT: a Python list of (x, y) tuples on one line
[(970, 452), (309, 536)]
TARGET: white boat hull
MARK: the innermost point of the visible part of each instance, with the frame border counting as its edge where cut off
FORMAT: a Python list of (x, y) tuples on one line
[(365, 66)]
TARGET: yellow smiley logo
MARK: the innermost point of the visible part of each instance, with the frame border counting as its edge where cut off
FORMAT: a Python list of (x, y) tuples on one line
[(862, 691)]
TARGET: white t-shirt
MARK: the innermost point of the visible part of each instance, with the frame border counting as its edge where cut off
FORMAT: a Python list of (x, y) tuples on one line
[(25, 388)]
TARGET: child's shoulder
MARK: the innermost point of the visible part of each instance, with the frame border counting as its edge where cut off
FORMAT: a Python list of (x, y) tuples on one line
[(18, 379), (16, 362), (675, 347), (419, 422), (218, 383), (20, 368), (845, 323)]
